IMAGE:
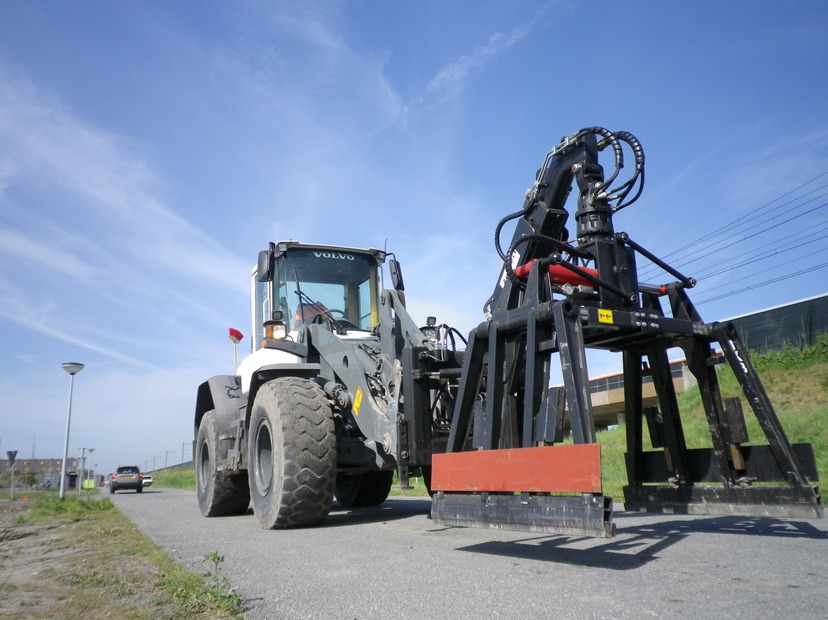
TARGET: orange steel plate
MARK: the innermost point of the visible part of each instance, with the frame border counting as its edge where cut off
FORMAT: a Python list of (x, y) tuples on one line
[(548, 469)]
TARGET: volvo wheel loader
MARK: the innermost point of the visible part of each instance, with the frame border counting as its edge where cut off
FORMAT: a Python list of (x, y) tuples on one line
[(343, 388)]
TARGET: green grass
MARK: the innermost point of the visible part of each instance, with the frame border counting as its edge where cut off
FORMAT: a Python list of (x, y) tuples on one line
[(113, 566), (794, 358), (178, 477), (183, 477), (797, 384), (51, 507), (419, 489)]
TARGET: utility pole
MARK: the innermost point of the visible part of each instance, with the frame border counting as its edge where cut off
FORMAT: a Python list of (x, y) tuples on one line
[(12, 454)]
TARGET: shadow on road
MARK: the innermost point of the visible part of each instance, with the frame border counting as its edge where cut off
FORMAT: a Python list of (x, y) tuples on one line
[(635, 546), (391, 510)]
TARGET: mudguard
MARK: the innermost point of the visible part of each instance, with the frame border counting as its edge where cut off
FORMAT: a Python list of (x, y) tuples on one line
[(223, 395)]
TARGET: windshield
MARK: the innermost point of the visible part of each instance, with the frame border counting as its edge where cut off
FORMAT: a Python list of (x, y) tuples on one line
[(332, 283)]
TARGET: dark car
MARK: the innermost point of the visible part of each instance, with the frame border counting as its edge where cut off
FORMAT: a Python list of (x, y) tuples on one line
[(126, 478)]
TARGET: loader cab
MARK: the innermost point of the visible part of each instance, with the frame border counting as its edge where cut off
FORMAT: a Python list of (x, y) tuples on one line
[(306, 283)]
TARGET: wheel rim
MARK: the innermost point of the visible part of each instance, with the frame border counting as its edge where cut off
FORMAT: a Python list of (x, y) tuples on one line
[(263, 469), (204, 465)]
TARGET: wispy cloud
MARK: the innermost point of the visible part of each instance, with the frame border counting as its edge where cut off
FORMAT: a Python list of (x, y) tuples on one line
[(454, 76), (82, 206)]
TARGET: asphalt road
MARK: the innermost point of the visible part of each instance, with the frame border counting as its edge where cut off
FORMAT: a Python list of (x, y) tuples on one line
[(393, 562)]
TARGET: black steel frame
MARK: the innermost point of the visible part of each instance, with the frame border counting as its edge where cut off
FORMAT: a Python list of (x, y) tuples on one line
[(504, 399)]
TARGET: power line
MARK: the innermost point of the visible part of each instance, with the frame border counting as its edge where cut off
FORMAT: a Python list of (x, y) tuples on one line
[(765, 283), (752, 214), (700, 254), (766, 253)]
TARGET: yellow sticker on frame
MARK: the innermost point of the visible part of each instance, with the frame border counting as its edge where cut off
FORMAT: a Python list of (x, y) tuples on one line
[(357, 400), (605, 316)]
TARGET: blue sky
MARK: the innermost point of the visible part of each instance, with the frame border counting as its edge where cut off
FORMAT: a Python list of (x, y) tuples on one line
[(149, 150)]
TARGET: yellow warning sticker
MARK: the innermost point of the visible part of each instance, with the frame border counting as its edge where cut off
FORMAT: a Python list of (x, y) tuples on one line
[(357, 400), (605, 316)]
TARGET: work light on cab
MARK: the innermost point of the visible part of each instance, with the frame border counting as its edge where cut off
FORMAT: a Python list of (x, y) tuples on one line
[(275, 329)]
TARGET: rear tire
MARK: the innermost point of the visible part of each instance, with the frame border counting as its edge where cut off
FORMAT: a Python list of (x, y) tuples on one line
[(292, 453), (139, 489), (368, 489), (374, 488), (347, 488), (219, 494)]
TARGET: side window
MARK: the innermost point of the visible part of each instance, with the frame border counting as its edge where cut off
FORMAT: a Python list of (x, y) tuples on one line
[(261, 310), (364, 297)]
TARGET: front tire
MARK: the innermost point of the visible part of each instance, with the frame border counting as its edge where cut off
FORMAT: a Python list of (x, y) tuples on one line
[(219, 494), (292, 453)]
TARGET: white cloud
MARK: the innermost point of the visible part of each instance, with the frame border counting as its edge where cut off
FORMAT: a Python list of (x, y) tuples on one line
[(37, 252), (94, 214), (454, 76)]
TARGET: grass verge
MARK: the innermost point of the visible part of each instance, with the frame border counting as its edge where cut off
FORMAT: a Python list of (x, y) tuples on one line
[(91, 562)]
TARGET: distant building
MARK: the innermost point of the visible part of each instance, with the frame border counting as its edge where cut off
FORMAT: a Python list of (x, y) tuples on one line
[(41, 473), (796, 324)]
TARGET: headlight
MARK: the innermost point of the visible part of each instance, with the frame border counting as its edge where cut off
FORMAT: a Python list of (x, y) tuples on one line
[(275, 330)]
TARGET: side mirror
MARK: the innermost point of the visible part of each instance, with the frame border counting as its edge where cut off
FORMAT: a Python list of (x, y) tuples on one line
[(264, 273), (396, 274)]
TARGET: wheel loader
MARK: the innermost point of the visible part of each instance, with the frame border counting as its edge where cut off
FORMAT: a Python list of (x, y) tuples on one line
[(343, 388)]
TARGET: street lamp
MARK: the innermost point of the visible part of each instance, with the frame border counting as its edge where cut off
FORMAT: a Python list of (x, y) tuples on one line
[(72, 368)]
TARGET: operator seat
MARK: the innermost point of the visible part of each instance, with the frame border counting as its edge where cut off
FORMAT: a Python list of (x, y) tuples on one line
[(305, 313)]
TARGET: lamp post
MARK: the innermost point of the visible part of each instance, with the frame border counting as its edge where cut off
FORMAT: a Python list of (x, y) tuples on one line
[(72, 368)]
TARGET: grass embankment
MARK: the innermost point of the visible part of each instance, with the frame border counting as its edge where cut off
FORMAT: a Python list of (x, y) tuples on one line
[(91, 562), (178, 477), (182, 477), (796, 382)]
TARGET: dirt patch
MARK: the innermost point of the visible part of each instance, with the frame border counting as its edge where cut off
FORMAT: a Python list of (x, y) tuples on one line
[(31, 557)]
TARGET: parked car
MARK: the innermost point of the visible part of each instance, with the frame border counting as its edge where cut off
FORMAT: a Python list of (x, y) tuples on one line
[(125, 478), (147, 480)]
